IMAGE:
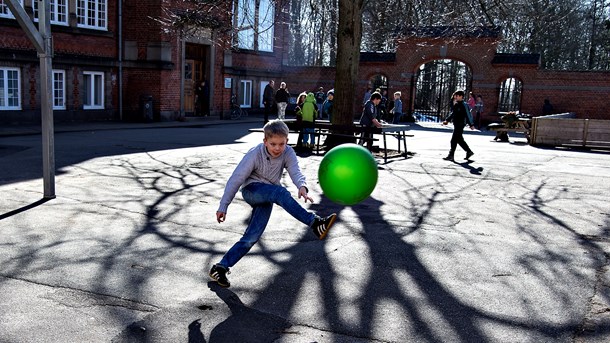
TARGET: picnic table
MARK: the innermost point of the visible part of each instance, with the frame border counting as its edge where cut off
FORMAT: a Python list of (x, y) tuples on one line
[(520, 125), (324, 128)]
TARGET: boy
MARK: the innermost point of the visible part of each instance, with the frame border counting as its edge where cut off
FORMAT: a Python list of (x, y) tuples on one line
[(308, 114), (369, 119), (327, 107), (459, 116), (259, 174), (397, 110)]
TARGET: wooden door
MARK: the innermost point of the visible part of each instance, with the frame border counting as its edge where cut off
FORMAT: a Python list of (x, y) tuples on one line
[(189, 87)]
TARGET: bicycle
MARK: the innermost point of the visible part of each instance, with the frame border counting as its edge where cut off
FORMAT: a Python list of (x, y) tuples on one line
[(236, 110)]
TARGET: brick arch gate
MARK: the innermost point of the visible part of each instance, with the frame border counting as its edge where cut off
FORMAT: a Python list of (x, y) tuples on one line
[(475, 48), (434, 83)]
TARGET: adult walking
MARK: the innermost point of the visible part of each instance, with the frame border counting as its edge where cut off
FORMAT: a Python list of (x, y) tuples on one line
[(460, 116), (281, 98), (268, 99)]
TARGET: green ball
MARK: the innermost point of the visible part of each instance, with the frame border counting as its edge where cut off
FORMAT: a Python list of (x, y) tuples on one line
[(348, 174)]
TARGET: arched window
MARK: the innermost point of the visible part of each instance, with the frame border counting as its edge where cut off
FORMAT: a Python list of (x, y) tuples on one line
[(510, 95), (379, 81)]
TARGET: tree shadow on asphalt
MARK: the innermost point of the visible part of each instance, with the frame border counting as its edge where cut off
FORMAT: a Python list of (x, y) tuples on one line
[(390, 256), (395, 263)]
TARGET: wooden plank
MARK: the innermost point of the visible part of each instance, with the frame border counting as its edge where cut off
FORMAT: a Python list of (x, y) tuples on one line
[(571, 132)]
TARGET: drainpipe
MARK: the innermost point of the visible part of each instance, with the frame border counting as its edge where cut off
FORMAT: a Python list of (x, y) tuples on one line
[(120, 5), (182, 70)]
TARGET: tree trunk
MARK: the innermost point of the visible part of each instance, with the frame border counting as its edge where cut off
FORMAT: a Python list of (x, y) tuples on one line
[(349, 36)]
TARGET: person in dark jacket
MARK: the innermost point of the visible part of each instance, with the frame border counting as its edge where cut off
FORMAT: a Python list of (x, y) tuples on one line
[(369, 118), (268, 99), (460, 116)]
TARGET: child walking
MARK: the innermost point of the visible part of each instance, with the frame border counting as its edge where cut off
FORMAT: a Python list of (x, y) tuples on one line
[(460, 116), (259, 174)]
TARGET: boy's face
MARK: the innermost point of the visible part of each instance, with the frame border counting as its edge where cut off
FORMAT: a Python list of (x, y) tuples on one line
[(459, 98), (275, 145), (376, 101)]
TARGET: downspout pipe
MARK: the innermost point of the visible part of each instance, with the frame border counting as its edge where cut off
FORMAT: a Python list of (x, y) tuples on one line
[(120, 14)]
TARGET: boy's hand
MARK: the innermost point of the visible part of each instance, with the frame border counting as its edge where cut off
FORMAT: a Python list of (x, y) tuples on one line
[(220, 216), (303, 194)]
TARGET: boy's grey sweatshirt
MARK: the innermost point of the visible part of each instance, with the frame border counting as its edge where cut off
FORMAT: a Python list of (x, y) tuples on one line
[(259, 166)]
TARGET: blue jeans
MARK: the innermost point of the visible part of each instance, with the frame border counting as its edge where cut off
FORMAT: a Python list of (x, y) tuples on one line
[(308, 134), (261, 197)]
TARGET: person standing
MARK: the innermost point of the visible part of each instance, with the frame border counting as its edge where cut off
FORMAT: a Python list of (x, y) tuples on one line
[(268, 99), (471, 102), (309, 113), (367, 95), (202, 93), (478, 107), (460, 116), (369, 119), (320, 98), (547, 108), (397, 109), (327, 107), (382, 108), (281, 98)]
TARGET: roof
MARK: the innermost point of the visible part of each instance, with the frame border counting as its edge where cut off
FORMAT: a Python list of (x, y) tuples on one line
[(516, 59), (452, 31), (377, 57)]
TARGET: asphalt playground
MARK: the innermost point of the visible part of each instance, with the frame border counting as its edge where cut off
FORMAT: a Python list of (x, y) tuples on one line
[(511, 247)]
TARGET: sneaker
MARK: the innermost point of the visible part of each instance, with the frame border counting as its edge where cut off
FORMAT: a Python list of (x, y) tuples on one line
[(321, 226), (448, 158), (469, 155), (219, 274)]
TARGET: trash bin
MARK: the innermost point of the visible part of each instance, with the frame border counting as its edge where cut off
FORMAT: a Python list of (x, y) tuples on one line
[(146, 107)]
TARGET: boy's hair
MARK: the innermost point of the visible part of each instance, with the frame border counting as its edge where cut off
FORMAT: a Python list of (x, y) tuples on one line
[(461, 93), (375, 95), (398, 93), (275, 128)]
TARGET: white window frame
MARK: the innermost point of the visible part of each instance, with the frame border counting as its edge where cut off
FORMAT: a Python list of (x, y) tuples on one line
[(5, 12), (5, 91), (91, 88), (59, 12), (245, 94), (92, 14), (262, 86), (244, 15), (59, 89)]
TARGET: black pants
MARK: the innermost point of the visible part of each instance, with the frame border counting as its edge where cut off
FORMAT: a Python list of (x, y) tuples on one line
[(268, 110), (458, 138)]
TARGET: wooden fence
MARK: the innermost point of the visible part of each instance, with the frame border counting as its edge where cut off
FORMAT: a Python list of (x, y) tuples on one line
[(561, 131)]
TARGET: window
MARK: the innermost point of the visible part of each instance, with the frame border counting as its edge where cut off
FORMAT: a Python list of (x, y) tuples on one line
[(245, 93), (510, 95), (10, 91), (59, 11), (5, 12), (93, 90), (254, 20), (91, 14), (59, 90)]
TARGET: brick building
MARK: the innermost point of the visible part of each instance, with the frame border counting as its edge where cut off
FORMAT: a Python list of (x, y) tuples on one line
[(112, 60)]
